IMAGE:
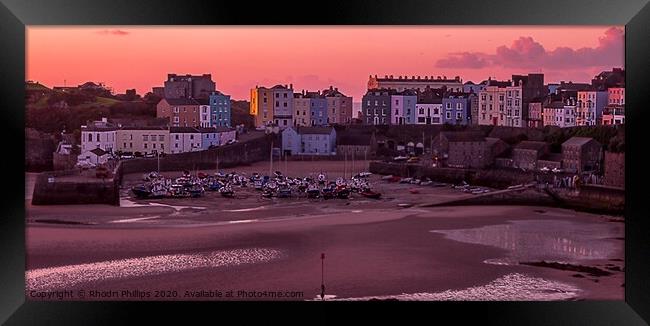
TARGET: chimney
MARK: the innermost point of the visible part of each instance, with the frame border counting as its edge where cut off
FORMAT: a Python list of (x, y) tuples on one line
[(391, 76), (385, 76), (330, 87), (303, 92), (291, 86), (336, 89)]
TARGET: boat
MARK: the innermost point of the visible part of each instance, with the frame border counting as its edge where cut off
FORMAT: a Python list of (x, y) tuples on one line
[(284, 192), (313, 191), (226, 191), (258, 184), (178, 191), (141, 191), (214, 185), (342, 192), (370, 194), (196, 190), (322, 178), (406, 180), (328, 193), (387, 177), (158, 191)]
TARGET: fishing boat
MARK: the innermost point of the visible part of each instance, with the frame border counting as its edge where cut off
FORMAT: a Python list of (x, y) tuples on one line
[(226, 191), (196, 190), (258, 184), (158, 191), (321, 179), (284, 192), (328, 193), (313, 191), (141, 191), (342, 192), (406, 180), (178, 191)]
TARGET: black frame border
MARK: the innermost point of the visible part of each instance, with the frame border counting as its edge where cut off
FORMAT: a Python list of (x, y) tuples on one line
[(634, 14)]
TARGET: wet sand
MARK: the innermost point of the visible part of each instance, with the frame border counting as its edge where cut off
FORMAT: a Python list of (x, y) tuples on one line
[(372, 248)]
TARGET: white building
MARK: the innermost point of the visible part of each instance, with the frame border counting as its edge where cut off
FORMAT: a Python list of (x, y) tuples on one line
[(204, 114), (184, 139), (99, 134), (309, 141)]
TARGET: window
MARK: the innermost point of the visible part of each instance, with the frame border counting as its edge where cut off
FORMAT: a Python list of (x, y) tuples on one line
[(176, 136), (277, 95), (176, 145), (448, 115), (192, 137), (90, 137), (448, 106), (459, 115), (130, 145), (161, 137), (459, 106), (145, 137)]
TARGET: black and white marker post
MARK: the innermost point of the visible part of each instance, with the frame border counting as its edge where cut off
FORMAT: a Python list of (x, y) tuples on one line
[(322, 278)]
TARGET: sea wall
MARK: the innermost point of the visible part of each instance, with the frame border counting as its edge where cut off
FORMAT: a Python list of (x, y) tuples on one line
[(71, 187), (227, 156), (496, 178)]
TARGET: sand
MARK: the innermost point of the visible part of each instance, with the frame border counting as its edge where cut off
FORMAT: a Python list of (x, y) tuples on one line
[(373, 248)]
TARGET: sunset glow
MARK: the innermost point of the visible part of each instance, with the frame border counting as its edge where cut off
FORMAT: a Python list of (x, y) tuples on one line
[(312, 58)]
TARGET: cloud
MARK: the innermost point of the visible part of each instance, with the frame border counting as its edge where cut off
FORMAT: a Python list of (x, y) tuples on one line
[(464, 60), (525, 52), (116, 32)]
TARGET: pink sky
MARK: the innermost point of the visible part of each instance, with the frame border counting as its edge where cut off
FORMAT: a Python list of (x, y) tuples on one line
[(315, 57)]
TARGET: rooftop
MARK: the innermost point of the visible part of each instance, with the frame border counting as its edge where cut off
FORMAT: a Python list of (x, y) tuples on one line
[(577, 141), (180, 101), (531, 145), (314, 130)]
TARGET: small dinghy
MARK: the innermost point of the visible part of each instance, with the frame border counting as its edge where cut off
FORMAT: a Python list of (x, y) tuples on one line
[(141, 191), (370, 194)]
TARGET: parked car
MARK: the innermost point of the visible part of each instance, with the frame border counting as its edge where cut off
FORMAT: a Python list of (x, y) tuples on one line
[(400, 158), (149, 155), (126, 157)]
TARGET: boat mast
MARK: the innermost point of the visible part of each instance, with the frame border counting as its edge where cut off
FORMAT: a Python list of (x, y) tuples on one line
[(271, 161)]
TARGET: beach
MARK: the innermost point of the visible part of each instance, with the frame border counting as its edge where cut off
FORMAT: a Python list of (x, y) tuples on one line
[(389, 248)]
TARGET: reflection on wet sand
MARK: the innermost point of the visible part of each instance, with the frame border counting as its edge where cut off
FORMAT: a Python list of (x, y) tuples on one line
[(533, 240), (61, 277)]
